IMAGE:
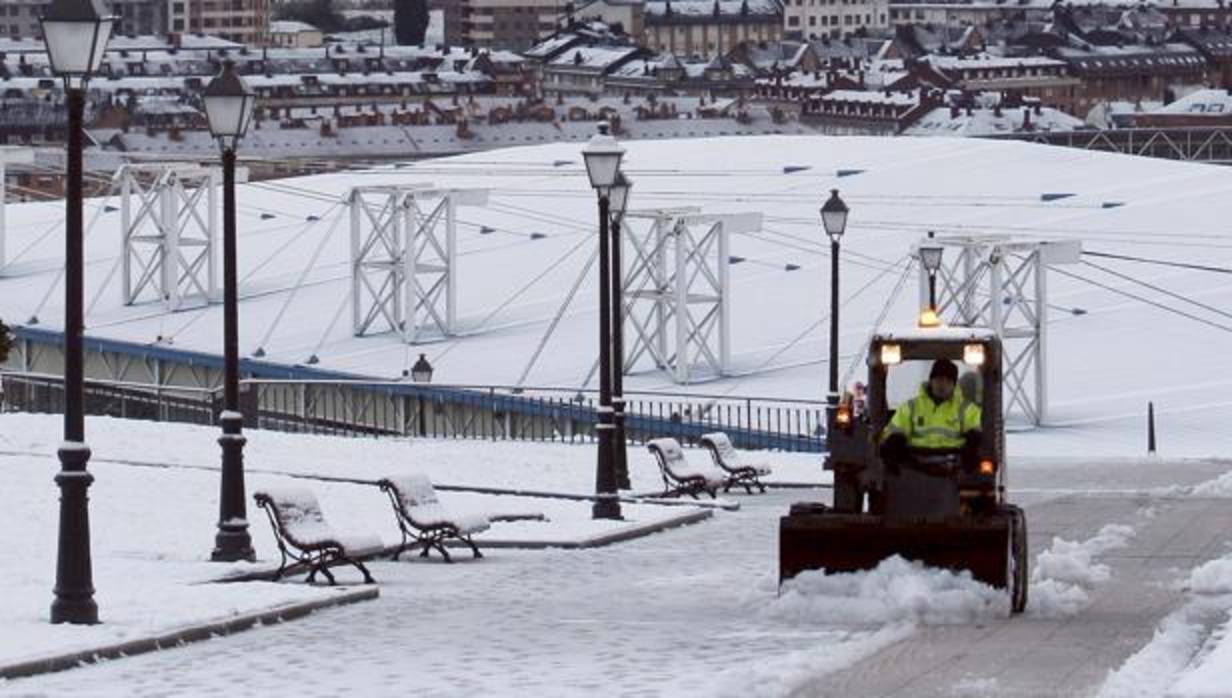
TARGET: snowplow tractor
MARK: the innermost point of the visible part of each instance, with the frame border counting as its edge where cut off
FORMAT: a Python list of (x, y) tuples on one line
[(943, 507)]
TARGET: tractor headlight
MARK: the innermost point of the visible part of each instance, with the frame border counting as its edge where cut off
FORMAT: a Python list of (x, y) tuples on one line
[(891, 354), (973, 354)]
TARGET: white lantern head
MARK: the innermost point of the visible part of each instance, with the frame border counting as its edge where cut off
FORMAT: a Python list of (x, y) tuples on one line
[(228, 106), (620, 194), (930, 257), (834, 216), (602, 155), (76, 34), (421, 372)]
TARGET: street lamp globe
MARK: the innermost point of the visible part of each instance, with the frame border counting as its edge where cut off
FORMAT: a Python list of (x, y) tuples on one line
[(228, 106), (76, 34), (421, 372), (930, 257), (620, 194), (602, 155), (834, 216)]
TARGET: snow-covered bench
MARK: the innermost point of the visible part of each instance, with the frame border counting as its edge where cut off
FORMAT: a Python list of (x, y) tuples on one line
[(727, 458), (681, 477), (306, 538), (424, 521)]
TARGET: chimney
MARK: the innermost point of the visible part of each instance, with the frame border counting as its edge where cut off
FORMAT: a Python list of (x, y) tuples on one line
[(1026, 120)]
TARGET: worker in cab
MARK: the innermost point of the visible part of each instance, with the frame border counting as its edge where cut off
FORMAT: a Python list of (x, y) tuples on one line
[(940, 417)]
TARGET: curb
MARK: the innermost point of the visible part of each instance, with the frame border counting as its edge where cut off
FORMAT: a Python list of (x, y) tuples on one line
[(183, 636), (607, 538), (618, 536)]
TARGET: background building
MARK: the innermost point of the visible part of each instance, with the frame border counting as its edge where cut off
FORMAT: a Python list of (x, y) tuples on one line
[(21, 17), (710, 28), (813, 19), (509, 24), (292, 34), (245, 21)]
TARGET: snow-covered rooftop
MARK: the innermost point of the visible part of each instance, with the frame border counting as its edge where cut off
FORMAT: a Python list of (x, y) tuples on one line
[(987, 61), (595, 57), (1215, 103), (986, 122), (287, 26), (520, 255)]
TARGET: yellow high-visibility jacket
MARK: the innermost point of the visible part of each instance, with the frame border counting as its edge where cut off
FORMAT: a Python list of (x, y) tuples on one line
[(927, 424)]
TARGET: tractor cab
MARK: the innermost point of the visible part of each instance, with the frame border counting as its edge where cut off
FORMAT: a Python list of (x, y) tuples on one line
[(898, 367)]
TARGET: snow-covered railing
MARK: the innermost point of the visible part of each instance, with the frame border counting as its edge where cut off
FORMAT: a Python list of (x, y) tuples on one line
[(404, 409), (1197, 144)]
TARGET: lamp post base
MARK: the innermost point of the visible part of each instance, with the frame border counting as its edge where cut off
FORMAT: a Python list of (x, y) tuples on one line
[(620, 453), (232, 543), (607, 503), (74, 590), (607, 506)]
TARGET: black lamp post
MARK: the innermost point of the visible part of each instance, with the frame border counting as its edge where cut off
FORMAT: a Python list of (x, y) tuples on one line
[(602, 155), (619, 201), (834, 220), (228, 106), (76, 34), (421, 372), (930, 257)]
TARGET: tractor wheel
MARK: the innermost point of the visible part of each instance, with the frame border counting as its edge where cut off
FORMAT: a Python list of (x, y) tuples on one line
[(1017, 574)]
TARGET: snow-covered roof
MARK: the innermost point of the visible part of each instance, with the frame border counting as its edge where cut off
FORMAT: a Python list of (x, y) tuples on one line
[(287, 26), (985, 61), (1215, 103), (594, 57), (658, 10), (895, 97), (985, 122), (512, 282)]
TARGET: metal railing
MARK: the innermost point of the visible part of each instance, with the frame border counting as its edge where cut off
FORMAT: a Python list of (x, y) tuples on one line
[(1198, 144), (375, 409)]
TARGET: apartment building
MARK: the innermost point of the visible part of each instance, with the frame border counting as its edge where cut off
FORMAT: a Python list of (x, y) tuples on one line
[(20, 18), (710, 28), (507, 24), (243, 21), (813, 19)]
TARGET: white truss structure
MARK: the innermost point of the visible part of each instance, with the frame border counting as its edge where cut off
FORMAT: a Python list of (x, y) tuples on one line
[(1002, 283), (16, 155), (169, 215), (677, 290), (404, 259)]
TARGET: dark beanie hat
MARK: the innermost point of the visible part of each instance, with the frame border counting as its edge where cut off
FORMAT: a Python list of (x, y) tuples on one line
[(942, 367)]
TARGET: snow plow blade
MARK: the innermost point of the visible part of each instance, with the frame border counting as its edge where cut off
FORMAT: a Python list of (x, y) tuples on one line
[(855, 542)]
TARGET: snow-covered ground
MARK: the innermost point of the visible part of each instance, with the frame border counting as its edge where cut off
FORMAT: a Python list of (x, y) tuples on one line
[(693, 611), (148, 568)]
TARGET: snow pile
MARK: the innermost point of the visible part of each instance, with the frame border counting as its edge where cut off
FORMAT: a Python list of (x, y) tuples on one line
[(1190, 655), (1210, 678), (1214, 577), (1154, 668), (895, 591), (1219, 487), (1063, 574)]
